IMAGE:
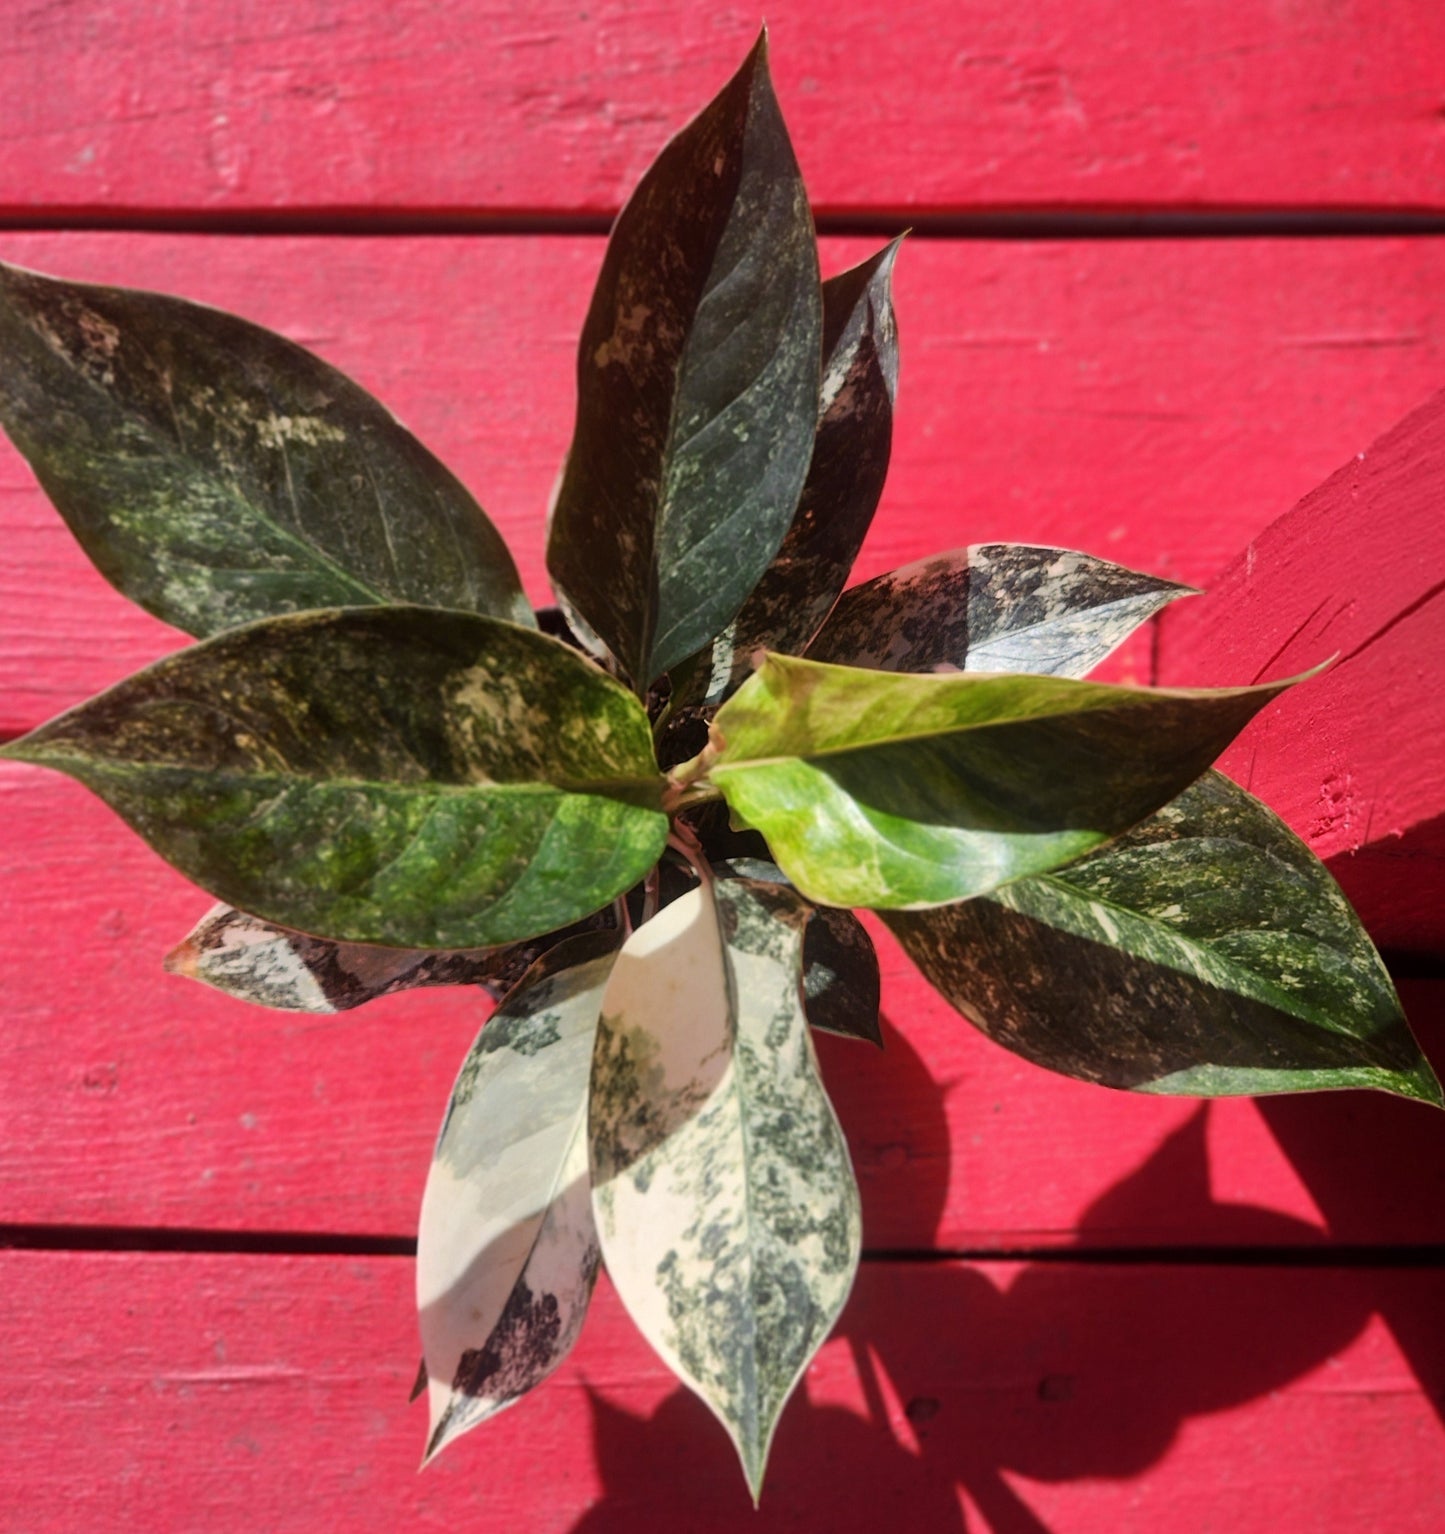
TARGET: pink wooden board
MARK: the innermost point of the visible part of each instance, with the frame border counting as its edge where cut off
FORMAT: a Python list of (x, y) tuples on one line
[(402, 106), (240, 1393), (1157, 403), (1354, 759), (129, 1097)]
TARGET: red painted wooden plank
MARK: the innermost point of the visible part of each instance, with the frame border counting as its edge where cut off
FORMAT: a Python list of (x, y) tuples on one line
[(231, 1393), (1157, 403), (1354, 759), (402, 105), (1043, 399), (130, 1097)]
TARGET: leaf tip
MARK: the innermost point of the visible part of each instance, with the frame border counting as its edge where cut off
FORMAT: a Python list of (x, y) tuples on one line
[(184, 960)]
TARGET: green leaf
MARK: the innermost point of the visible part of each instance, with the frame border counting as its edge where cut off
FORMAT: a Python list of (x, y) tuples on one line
[(217, 473), (1207, 953), (257, 961), (697, 380), (840, 495), (506, 1248), (725, 1201), (390, 774), (993, 607), (881, 790)]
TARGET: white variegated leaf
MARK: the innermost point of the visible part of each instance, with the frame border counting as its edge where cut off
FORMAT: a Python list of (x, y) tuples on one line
[(725, 1200), (506, 1250)]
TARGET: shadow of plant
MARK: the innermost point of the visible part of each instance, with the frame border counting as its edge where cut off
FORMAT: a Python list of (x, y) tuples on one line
[(1055, 1370)]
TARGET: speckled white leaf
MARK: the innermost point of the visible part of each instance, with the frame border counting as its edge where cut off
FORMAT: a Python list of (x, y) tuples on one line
[(842, 987), (506, 1249), (270, 966), (992, 607), (725, 1200)]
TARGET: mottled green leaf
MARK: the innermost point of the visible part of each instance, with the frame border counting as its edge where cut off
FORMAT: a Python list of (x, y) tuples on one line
[(842, 988), (992, 607), (1208, 952), (506, 1247), (697, 380), (391, 774), (875, 789), (840, 495), (217, 473), (257, 961), (725, 1201)]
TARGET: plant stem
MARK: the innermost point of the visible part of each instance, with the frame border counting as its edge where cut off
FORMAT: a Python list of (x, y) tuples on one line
[(682, 840)]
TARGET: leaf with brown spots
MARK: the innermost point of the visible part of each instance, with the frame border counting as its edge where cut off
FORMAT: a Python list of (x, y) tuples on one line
[(840, 495), (1207, 953), (993, 607), (507, 1248), (697, 382), (217, 473), (724, 1197), (393, 775)]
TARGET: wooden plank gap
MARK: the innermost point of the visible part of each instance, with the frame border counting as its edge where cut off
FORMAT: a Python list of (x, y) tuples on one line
[(1003, 223)]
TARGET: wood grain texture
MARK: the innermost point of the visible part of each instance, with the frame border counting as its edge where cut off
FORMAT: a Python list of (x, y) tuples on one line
[(396, 106), (236, 1393), (1154, 403), (1354, 758), (135, 1098)]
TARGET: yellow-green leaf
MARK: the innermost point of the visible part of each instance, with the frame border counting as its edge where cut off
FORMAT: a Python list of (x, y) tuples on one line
[(884, 790)]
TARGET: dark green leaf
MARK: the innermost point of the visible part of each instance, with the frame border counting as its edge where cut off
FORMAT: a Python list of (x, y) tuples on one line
[(881, 790), (218, 473), (845, 480), (841, 984), (697, 380), (992, 607), (725, 1201), (270, 966), (394, 775), (1208, 952), (506, 1246)]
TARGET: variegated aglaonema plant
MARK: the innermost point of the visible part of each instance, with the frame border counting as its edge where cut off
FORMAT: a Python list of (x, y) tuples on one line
[(643, 820)]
